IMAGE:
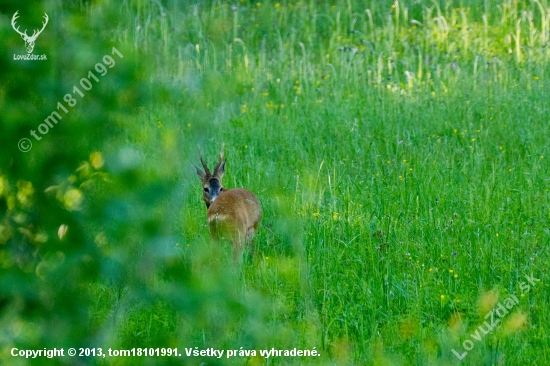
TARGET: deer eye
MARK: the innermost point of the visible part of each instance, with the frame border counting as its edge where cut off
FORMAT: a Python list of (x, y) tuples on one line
[(206, 189), (221, 189)]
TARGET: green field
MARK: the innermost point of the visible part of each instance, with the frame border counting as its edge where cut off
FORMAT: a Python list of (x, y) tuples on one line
[(399, 150)]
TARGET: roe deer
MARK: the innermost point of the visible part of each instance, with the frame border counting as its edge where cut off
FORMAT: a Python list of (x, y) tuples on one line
[(233, 214)]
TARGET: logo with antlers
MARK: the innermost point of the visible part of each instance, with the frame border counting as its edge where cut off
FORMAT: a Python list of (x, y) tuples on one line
[(29, 40)]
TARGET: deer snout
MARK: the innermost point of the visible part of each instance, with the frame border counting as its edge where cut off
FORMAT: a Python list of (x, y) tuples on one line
[(215, 193), (213, 197)]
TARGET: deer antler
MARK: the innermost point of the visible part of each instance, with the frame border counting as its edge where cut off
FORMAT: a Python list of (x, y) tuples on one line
[(220, 161), (206, 170), (221, 153), (36, 33), (13, 19)]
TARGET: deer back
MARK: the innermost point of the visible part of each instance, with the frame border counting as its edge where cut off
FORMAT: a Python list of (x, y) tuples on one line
[(235, 215)]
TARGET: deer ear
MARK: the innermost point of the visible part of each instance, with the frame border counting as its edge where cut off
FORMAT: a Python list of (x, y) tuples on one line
[(200, 173), (220, 170)]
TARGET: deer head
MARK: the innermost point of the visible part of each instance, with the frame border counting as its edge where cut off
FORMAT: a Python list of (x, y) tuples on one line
[(29, 40), (212, 182)]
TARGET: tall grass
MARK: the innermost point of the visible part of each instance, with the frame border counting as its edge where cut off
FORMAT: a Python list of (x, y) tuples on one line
[(399, 150)]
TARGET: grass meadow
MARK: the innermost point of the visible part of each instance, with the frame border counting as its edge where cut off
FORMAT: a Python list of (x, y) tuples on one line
[(400, 153)]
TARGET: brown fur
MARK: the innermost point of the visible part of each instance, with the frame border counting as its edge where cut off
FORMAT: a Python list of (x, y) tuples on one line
[(233, 214)]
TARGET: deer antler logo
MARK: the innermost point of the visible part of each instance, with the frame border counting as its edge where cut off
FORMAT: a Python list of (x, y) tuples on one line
[(29, 41)]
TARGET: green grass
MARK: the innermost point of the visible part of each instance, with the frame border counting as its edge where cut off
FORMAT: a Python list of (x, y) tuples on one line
[(400, 154), (401, 169)]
